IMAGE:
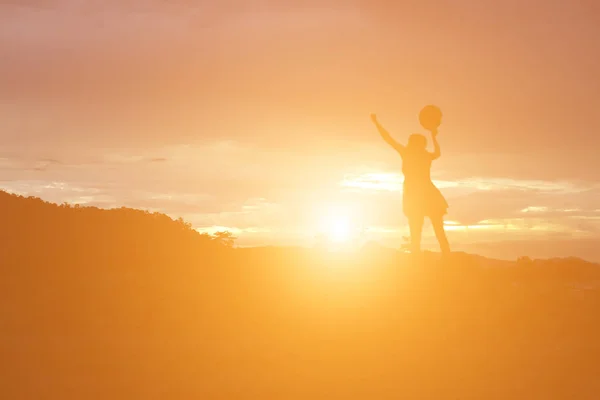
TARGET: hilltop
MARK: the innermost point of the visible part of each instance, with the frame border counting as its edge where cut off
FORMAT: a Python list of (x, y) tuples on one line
[(127, 304)]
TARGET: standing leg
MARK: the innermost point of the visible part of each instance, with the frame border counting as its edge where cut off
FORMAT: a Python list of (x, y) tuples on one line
[(440, 233), (416, 227)]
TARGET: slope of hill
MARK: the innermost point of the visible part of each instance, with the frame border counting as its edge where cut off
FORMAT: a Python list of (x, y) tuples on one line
[(124, 304)]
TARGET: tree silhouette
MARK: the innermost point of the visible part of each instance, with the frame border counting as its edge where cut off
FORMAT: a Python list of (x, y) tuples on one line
[(224, 238)]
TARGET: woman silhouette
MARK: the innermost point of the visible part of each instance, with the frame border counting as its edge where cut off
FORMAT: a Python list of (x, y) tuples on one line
[(420, 198)]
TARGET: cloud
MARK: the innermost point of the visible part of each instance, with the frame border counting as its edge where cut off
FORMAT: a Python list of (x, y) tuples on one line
[(485, 208), (211, 185), (289, 207), (24, 163)]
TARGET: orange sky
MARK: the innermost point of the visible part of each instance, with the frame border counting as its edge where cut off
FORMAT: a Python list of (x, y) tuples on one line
[(254, 117)]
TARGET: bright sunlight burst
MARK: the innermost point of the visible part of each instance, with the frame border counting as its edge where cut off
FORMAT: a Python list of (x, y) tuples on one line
[(338, 223), (339, 229)]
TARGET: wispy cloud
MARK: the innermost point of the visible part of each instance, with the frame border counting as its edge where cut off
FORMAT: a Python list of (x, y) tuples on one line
[(393, 182)]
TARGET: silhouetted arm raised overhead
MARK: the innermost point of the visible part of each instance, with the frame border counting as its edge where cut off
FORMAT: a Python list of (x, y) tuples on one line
[(437, 152), (386, 136)]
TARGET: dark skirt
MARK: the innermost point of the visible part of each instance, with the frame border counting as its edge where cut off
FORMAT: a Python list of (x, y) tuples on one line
[(423, 200)]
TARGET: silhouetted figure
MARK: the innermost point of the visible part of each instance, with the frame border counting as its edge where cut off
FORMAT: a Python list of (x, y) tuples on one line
[(420, 198)]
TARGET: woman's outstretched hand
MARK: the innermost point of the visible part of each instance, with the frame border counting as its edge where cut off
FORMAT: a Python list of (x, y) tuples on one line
[(374, 118)]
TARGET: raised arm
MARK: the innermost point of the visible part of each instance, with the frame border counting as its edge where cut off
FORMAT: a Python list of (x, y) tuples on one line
[(386, 136), (436, 146)]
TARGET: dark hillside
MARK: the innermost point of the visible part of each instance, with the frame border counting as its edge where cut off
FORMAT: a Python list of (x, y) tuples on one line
[(124, 304)]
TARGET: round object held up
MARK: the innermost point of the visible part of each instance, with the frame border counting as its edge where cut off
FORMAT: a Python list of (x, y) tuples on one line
[(430, 117)]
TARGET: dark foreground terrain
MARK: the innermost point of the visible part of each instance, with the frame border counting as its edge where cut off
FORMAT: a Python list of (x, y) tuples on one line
[(124, 304)]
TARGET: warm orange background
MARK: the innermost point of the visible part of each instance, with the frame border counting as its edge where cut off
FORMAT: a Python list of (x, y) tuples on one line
[(254, 117)]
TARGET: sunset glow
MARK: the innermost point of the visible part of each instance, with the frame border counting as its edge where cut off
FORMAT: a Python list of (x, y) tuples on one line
[(243, 118)]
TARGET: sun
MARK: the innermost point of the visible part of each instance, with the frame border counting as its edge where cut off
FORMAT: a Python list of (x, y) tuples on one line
[(337, 224), (339, 229)]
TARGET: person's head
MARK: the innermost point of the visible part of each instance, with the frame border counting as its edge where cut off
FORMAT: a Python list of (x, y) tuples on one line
[(417, 142)]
